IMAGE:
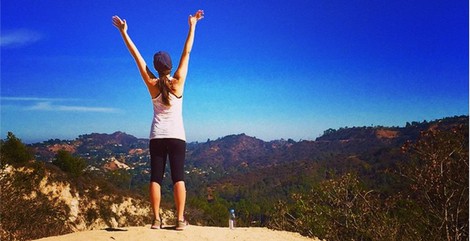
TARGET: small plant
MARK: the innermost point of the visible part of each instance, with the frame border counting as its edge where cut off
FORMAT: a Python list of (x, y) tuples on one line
[(70, 164), (12, 151)]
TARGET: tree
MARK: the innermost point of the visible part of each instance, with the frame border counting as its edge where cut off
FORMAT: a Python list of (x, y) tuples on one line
[(337, 209), (14, 151), (329, 131), (438, 175), (70, 164), (120, 178)]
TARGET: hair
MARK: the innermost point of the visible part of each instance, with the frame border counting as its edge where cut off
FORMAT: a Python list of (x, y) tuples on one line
[(165, 86)]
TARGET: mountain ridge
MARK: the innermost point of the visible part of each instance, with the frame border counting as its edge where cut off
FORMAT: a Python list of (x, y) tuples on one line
[(234, 149)]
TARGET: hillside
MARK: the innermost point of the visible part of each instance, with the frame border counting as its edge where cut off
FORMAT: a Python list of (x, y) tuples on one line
[(285, 184), (219, 167), (40, 200)]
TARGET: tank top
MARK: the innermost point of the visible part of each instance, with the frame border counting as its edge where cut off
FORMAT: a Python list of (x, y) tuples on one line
[(168, 120)]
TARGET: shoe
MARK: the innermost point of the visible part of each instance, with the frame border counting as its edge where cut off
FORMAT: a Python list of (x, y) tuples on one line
[(181, 225), (156, 224)]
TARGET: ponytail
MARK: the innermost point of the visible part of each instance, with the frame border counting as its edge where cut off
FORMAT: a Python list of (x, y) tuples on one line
[(165, 87)]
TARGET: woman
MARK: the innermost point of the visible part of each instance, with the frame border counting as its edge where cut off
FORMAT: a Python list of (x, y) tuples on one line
[(167, 135)]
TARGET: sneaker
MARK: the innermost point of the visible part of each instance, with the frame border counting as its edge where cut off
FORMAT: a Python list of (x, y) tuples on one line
[(182, 224), (156, 224)]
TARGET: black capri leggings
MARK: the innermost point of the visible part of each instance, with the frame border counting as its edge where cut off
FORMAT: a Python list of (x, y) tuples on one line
[(175, 149)]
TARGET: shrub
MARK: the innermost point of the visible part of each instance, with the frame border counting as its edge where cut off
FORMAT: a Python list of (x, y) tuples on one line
[(337, 209), (14, 151), (67, 163), (120, 178), (438, 176)]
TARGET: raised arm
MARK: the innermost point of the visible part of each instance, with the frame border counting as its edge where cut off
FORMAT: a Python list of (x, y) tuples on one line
[(147, 76), (182, 70)]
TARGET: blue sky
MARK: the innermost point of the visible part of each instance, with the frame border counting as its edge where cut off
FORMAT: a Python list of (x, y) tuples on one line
[(270, 69)]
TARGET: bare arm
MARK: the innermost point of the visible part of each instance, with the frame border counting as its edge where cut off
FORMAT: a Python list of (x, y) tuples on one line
[(147, 76), (182, 70)]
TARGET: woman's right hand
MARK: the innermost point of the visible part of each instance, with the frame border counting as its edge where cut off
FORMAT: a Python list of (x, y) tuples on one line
[(120, 24)]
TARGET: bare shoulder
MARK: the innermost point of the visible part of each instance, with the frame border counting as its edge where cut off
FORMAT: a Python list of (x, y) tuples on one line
[(152, 87), (177, 82), (178, 86), (153, 81)]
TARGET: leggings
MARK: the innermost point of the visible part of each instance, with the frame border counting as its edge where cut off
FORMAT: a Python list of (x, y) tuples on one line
[(175, 149)]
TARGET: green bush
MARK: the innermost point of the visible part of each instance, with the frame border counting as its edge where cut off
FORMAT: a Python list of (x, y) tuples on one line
[(13, 151), (120, 178), (70, 164)]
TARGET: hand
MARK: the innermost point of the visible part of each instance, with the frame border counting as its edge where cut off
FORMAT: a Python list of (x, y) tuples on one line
[(120, 24), (197, 16)]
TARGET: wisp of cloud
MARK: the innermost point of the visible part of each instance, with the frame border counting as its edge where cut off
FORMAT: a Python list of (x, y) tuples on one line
[(19, 38)]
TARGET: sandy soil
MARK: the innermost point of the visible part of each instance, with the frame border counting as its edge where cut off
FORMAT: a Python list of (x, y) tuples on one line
[(193, 233)]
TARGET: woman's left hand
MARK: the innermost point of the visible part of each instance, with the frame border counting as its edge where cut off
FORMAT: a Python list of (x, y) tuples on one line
[(197, 16)]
